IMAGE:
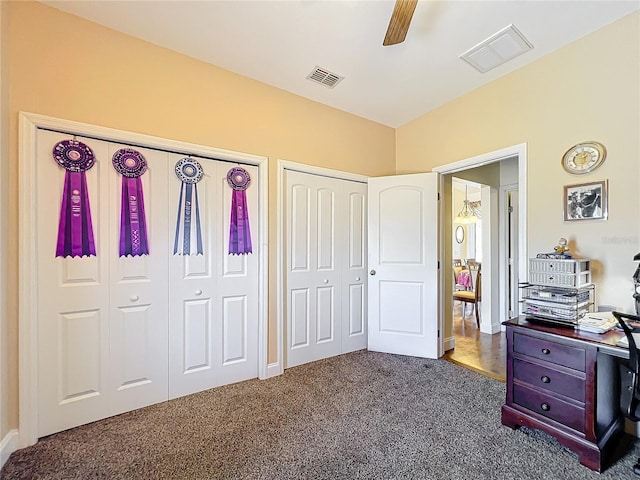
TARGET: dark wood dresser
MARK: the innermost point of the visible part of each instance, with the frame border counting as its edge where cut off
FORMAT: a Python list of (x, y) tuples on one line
[(565, 383)]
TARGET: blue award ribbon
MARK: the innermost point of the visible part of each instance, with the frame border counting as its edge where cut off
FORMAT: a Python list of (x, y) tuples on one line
[(188, 237)]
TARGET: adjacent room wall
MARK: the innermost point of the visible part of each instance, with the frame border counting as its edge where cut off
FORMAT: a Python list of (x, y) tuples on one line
[(66, 67), (588, 90)]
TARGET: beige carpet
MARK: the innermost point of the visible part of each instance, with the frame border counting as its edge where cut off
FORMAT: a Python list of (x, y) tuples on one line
[(361, 415)]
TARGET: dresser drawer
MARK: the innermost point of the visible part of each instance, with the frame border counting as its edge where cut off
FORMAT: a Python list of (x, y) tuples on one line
[(551, 407), (552, 380), (566, 355)]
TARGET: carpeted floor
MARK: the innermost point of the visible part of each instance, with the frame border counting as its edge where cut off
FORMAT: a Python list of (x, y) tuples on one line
[(357, 416)]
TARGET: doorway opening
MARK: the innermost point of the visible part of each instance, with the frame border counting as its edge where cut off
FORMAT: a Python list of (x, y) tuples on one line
[(494, 182)]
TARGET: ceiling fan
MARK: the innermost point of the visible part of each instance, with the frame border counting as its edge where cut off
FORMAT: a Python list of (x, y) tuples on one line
[(399, 23)]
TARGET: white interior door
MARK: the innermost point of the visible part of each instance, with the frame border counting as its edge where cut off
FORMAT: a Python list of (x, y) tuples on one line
[(138, 304), (354, 268), (403, 262), (325, 269), (105, 343), (102, 320), (313, 280), (214, 296)]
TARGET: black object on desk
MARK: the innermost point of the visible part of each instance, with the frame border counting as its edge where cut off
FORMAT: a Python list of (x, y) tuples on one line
[(566, 383), (629, 369)]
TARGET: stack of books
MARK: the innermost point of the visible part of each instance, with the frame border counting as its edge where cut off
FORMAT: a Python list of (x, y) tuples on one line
[(597, 322)]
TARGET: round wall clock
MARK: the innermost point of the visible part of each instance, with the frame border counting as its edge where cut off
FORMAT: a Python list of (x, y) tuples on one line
[(584, 157)]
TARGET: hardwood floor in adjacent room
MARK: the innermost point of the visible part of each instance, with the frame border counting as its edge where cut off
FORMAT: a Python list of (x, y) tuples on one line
[(477, 351)]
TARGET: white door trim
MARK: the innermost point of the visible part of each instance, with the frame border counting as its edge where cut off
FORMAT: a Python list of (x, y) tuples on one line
[(504, 237), (28, 286), (519, 151), (277, 367)]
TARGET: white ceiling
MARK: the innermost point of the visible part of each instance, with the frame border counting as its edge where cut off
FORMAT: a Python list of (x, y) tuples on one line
[(280, 42)]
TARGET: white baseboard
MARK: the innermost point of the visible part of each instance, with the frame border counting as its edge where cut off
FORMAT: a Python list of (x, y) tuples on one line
[(449, 343), (274, 369), (8, 446)]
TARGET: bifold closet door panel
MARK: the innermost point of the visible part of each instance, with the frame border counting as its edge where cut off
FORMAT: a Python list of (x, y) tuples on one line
[(139, 303), (73, 299), (213, 327), (354, 276), (313, 267), (237, 286), (102, 320)]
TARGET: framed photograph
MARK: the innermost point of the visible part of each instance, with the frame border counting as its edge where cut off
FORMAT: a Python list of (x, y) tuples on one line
[(586, 201)]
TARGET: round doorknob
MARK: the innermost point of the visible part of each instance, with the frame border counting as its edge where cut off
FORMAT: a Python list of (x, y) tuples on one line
[(325, 281), (198, 292), (372, 272), (135, 298), (545, 379), (546, 407), (357, 279)]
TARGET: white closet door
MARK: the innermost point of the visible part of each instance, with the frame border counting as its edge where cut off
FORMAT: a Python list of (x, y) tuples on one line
[(99, 353), (214, 296), (138, 316), (354, 275), (326, 277)]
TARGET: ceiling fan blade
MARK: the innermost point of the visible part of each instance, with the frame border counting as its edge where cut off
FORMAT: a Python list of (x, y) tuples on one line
[(399, 23)]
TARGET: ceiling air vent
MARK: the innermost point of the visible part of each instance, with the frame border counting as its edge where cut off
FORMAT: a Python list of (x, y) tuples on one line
[(324, 77), (505, 45)]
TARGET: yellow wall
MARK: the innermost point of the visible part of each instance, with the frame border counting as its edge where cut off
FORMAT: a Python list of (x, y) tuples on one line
[(588, 90), (66, 67), (5, 351)]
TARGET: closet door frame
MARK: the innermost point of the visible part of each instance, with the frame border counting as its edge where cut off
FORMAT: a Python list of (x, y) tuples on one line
[(29, 123), (277, 368)]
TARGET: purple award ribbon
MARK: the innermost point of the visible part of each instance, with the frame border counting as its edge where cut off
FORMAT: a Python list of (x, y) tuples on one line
[(239, 230), (75, 231), (133, 222), (188, 238)]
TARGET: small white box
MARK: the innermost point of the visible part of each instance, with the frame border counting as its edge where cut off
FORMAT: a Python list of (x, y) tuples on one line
[(573, 273)]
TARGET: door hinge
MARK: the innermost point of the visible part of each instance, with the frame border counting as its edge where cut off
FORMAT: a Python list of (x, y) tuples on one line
[(438, 196), (438, 264), (438, 333)]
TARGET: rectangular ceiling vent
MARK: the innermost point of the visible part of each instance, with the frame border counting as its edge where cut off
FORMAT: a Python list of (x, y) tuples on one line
[(505, 45), (324, 77)]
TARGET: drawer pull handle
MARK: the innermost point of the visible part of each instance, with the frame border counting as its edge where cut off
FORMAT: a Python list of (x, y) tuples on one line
[(545, 379), (546, 351), (545, 406)]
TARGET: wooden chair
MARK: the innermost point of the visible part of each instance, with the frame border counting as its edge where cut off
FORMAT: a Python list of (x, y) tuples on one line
[(473, 296)]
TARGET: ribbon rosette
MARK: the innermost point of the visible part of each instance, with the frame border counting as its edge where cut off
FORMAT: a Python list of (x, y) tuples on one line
[(188, 239), (239, 231), (75, 231), (133, 224)]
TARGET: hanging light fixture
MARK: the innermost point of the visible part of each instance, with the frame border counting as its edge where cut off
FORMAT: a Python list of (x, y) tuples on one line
[(469, 212)]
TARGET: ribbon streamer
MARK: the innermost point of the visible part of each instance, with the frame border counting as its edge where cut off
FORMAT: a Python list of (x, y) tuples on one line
[(188, 239), (133, 223), (239, 230), (75, 230)]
